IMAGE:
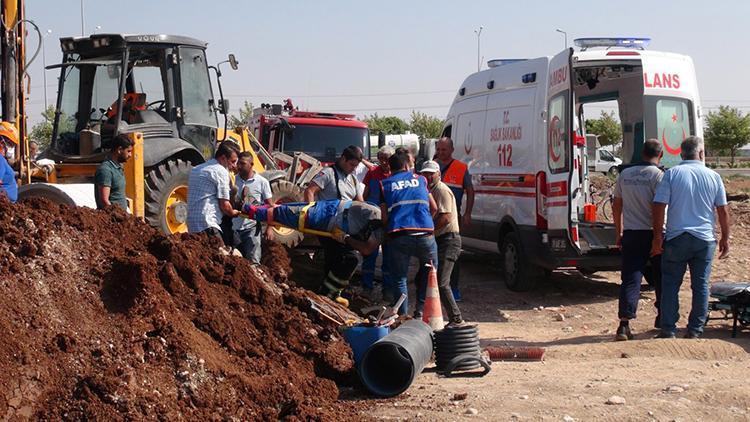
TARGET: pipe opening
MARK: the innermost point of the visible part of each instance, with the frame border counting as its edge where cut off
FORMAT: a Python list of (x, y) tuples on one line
[(387, 369)]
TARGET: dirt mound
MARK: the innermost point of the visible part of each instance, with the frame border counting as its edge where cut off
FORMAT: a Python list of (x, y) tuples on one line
[(102, 317)]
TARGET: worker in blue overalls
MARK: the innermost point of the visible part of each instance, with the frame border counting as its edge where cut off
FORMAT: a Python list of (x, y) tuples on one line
[(355, 224), (407, 207)]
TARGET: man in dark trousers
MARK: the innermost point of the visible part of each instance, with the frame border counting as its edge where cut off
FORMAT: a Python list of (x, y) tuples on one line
[(109, 179), (456, 175), (337, 182), (634, 194), (407, 207)]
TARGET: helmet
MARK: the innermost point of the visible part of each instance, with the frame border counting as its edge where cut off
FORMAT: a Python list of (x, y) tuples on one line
[(9, 132)]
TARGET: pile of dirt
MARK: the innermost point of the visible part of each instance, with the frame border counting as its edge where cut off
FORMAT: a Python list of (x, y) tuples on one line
[(103, 317)]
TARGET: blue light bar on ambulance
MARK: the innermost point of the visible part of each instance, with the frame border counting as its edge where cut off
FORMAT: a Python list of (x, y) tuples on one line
[(503, 62), (631, 42)]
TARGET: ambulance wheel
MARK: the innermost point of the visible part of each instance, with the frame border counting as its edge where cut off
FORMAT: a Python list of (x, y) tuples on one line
[(520, 276), (285, 191), (613, 172), (166, 191)]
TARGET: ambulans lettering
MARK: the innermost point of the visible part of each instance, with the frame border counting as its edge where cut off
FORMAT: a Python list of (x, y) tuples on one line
[(661, 80), (558, 76), (403, 184)]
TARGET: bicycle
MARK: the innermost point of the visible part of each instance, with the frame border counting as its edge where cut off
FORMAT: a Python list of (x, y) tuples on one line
[(604, 200)]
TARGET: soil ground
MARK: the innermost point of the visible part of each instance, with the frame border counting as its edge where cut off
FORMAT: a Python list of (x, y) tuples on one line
[(574, 318)]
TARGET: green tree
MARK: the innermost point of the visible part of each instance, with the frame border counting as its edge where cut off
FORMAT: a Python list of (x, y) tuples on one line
[(727, 130), (607, 127), (42, 131), (389, 125), (426, 127), (242, 117)]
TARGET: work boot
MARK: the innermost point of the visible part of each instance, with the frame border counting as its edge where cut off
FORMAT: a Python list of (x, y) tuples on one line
[(341, 301), (664, 334), (458, 323), (623, 332), (692, 335)]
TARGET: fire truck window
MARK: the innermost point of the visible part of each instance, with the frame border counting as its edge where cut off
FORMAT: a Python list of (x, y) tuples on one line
[(196, 88), (558, 133)]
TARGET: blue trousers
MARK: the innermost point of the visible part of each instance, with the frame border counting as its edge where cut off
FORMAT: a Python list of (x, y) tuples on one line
[(636, 248), (318, 216), (400, 250), (681, 252), (368, 272)]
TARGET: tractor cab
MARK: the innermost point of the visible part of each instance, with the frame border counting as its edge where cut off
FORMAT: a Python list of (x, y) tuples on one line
[(111, 84)]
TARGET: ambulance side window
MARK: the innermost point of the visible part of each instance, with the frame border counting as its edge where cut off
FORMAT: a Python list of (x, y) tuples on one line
[(447, 132), (558, 133)]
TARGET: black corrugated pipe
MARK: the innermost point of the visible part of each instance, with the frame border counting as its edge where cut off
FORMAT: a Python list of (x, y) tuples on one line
[(391, 364), (457, 349)]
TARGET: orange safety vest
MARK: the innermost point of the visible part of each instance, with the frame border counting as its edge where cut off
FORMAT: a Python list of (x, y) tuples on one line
[(454, 174), (454, 178)]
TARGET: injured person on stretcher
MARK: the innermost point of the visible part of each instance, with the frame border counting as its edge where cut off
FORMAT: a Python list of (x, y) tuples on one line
[(355, 225)]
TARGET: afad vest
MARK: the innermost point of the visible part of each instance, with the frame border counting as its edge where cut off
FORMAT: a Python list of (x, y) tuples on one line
[(407, 198), (454, 178)]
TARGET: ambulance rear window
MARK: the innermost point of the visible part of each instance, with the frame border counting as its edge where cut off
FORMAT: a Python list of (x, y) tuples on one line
[(671, 122), (558, 133)]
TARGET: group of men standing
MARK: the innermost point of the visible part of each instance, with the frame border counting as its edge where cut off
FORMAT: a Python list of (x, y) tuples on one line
[(214, 202), (687, 194)]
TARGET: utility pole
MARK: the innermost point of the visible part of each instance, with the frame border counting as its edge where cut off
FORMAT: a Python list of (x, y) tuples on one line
[(83, 21), (479, 59), (44, 67), (565, 34)]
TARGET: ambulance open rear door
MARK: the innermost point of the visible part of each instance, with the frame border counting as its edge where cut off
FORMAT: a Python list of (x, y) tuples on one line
[(554, 196)]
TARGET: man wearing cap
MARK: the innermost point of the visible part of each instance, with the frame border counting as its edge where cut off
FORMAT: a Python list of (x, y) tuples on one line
[(8, 146), (455, 174), (448, 241)]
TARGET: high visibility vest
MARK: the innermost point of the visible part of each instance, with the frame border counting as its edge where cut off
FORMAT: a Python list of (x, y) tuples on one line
[(453, 176), (407, 200)]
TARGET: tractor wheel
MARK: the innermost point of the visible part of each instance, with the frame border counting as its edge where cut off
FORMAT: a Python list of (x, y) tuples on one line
[(285, 191), (166, 196)]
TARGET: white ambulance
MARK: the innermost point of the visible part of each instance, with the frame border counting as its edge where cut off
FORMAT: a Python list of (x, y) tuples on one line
[(519, 127)]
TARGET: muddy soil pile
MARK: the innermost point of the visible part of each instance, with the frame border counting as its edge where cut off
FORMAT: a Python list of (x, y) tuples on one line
[(104, 318)]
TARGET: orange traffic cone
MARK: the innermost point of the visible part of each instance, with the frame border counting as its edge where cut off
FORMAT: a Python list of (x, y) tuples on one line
[(433, 313)]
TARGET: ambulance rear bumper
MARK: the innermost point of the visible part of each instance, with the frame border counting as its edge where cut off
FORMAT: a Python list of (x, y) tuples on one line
[(543, 255)]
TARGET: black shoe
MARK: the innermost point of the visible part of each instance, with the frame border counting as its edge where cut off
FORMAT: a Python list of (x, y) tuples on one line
[(623, 333), (692, 334), (663, 334)]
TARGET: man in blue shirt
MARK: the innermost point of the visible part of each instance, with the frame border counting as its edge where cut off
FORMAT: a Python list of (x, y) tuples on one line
[(692, 191), (407, 207), (8, 146)]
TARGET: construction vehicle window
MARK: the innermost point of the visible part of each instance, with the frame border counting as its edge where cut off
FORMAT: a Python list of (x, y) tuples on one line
[(105, 90), (147, 79), (69, 101), (196, 88)]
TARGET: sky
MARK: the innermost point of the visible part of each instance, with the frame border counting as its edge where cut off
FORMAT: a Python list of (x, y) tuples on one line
[(391, 57)]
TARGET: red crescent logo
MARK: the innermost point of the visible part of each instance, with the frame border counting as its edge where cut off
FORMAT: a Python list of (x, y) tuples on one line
[(554, 136), (670, 150)]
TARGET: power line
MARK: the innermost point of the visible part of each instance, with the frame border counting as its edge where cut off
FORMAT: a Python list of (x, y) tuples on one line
[(385, 94)]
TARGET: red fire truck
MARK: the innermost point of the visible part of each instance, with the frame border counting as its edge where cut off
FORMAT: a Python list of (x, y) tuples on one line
[(323, 136)]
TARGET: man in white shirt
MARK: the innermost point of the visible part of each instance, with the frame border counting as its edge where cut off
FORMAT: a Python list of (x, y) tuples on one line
[(252, 188)]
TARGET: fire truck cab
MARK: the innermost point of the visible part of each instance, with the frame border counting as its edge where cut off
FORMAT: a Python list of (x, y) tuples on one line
[(320, 135), (519, 126)]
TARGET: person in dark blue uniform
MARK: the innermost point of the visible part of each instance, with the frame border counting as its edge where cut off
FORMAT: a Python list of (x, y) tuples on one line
[(407, 207), (356, 225)]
